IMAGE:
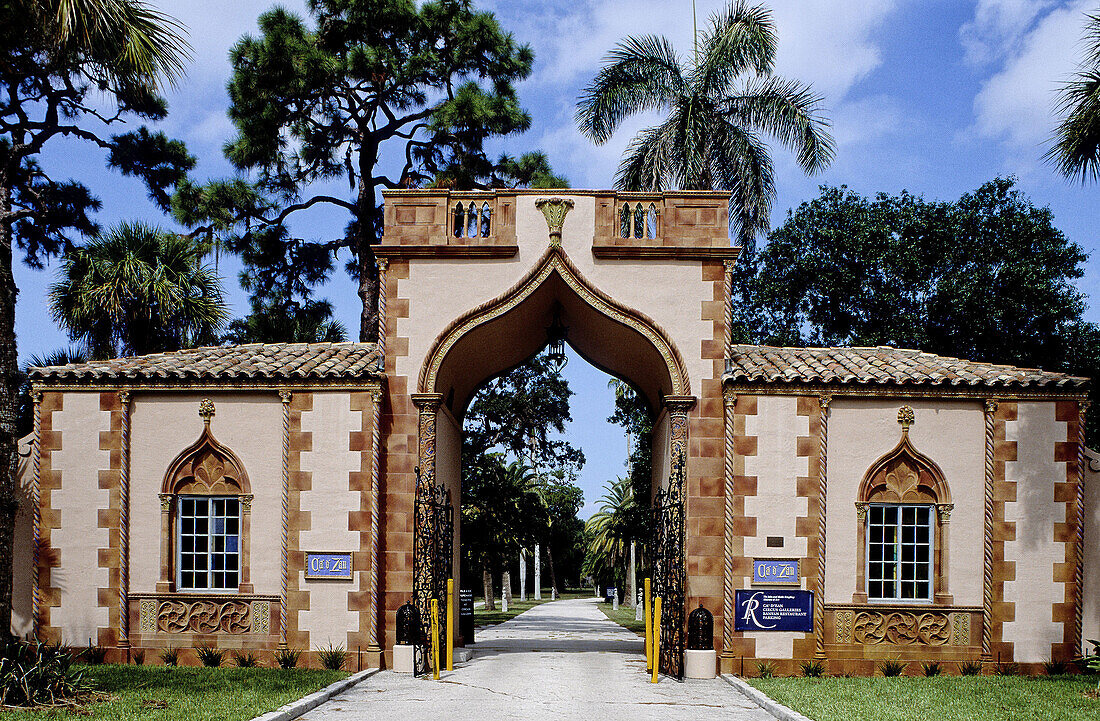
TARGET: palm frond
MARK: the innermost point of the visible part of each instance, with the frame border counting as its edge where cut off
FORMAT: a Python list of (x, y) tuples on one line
[(741, 39), (790, 112), (744, 168), (641, 73), (647, 161), (1076, 152)]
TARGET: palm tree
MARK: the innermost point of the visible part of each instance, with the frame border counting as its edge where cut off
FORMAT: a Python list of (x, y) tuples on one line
[(1076, 152), (611, 530), (136, 290), (719, 106)]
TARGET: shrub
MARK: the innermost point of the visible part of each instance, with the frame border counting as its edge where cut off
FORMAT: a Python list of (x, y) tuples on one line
[(245, 660), (765, 669), (812, 669), (139, 657), (210, 656), (332, 657), (1055, 667), (932, 668), (170, 656), (287, 657), (34, 673), (1092, 661), (1007, 669), (970, 668), (892, 667), (94, 654)]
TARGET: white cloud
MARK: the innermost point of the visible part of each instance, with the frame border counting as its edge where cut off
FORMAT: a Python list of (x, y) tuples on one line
[(997, 27), (1016, 104)]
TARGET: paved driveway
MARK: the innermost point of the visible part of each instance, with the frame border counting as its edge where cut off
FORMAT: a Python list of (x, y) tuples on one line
[(560, 660)]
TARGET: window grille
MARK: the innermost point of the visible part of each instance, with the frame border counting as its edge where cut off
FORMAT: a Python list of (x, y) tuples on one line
[(209, 543)]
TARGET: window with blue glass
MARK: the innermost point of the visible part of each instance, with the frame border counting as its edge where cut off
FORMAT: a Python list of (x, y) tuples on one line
[(209, 540)]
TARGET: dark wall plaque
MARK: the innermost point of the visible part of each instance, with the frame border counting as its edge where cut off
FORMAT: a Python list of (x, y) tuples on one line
[(466, 615), (774, 610)]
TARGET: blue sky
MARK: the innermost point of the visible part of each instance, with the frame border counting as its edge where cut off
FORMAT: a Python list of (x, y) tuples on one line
[(935, 97)]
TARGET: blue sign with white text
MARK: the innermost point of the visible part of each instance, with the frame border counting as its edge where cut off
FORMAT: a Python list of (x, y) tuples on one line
[(778, 573), (328, 565), (774, 610)]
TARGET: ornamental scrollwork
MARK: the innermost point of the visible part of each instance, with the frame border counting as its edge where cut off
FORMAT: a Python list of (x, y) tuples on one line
[(204, 617), (899, 628)]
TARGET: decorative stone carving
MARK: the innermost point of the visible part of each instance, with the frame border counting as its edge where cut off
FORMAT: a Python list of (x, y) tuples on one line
[(147, 616), (944, 509), (206, 409), (554, 209), (861, 511), (206, 467), (165, 502), (843, 625), (204, 617), (901, 628), (261, 617), (960, 634), (906, 418)]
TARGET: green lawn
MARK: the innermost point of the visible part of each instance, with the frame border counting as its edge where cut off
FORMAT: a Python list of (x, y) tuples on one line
[(944, 698), (159, 693), (516, 607), (624, 617)]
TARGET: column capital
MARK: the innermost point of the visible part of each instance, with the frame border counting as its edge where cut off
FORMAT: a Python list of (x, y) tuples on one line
[(427, 402), (679, 404), (729, 397), (825, 399), (382, 264), (284, 396), (990, 406), (124, 396)]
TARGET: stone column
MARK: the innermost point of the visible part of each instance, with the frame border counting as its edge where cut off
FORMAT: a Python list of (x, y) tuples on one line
[(631, 582), (987, 604), (822, 488), (730, 403), (124, 527), (522, 575), (942, 592), (36, 495), (538, 573), (1079, 536), (428, 405), (373, 646), (284, 396), (166, 582)]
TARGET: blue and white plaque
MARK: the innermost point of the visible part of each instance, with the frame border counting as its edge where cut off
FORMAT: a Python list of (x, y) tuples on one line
[(774, 572), (328, 565), (774, 610)]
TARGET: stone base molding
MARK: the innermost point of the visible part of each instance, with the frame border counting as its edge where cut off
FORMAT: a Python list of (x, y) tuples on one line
[(184, 620)]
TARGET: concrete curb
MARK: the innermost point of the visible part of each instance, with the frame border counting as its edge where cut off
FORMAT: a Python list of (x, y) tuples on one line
[(294, 709), (762, 700)]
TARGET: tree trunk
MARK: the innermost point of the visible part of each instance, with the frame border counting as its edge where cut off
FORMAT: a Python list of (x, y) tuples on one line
[(487, 589), (631, 581), (538, 573), (368, 233), (506, 586), (553, 576), (9, 390)]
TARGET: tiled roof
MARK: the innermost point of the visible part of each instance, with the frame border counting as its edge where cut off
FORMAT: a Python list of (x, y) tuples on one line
[(257, 361), (881, 366)]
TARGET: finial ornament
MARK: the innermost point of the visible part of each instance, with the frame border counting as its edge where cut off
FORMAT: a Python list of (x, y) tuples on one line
[(906, 418), (554, 210), (206, 410)]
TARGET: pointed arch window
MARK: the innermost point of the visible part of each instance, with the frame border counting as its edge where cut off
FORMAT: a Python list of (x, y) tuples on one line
[(206, 508), (903, 509)]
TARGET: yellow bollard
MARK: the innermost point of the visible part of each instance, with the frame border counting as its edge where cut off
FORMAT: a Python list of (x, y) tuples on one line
[(450, 624), (435, 638), (648, 626), (656, 638)]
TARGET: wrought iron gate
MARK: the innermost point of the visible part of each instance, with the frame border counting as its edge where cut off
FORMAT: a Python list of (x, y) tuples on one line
[(433, 558), (668, 569)]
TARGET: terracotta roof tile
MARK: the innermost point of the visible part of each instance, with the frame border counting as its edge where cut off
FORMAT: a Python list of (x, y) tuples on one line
[(881, 366), (257, 361)]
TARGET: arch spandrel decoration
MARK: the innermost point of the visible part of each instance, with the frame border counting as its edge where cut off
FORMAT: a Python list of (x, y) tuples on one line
[(207, 467), (555, 260)]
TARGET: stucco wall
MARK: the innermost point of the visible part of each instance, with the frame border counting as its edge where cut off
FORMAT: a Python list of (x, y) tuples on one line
[(78, 502), (951, 433), (1091, 610), (1036, 548), (162, 426), (329, 619)]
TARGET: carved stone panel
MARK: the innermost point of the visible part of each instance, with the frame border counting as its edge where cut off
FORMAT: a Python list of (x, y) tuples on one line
[(204, 617), (901, 628)]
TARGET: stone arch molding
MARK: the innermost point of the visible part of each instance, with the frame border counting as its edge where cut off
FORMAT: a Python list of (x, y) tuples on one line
[(207, 467), (904, 475), (555, 260)]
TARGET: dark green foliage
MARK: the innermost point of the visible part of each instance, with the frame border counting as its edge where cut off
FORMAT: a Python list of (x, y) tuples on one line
[(610, 531), (210, 655), (287, 657), (94, 654), (138, 656), (60, 357), (1055, 667), (931, 668), (812, 669), (718, 107), (765, 669), (970, 668), (986, 278), (170, 656), (245, 659), (273, 321), (137, 289), (33, 673), (319, 99), (1006, 668), (892, 667), (332, 657)]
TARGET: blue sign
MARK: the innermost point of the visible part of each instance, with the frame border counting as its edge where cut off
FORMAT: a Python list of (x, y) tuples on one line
[(328, 565), (774, 610), (775, 572)]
